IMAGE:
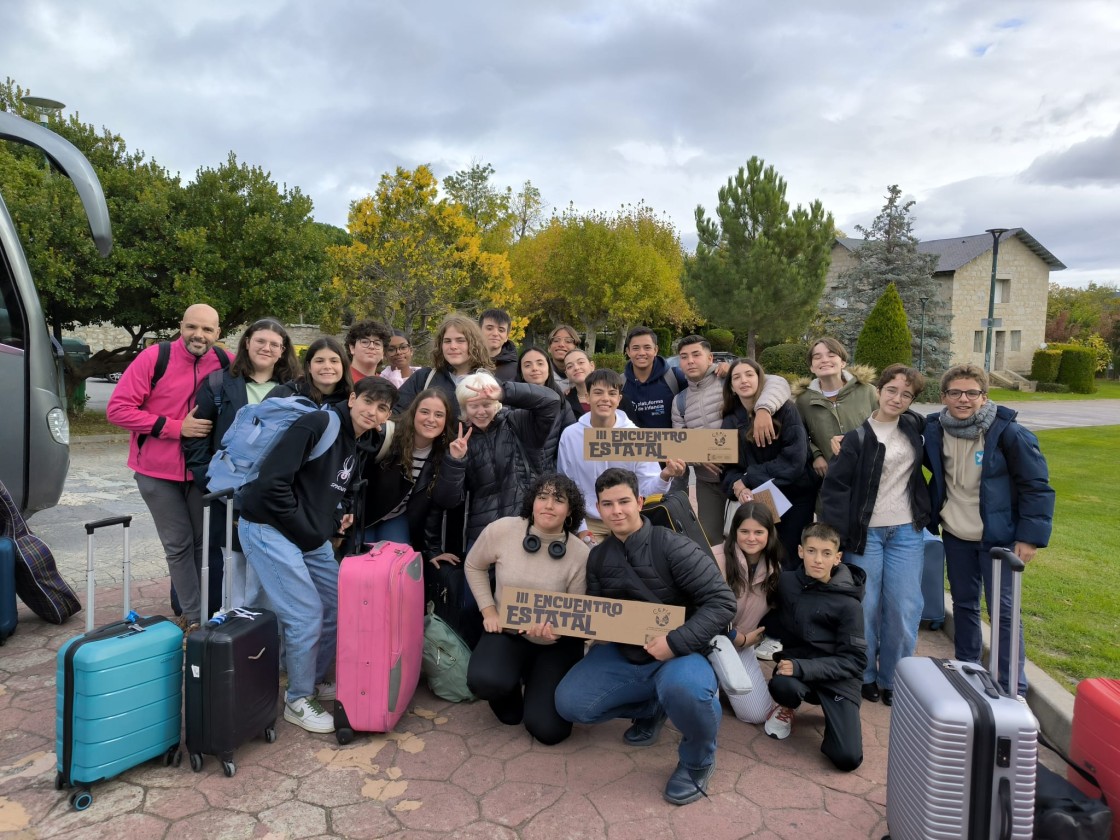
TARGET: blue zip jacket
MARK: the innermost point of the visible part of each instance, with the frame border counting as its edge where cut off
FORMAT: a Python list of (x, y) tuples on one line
[(1016, 499), (653, 399)]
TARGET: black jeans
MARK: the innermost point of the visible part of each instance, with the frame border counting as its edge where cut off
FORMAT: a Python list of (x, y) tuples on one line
[(843, 735), (503, 662)]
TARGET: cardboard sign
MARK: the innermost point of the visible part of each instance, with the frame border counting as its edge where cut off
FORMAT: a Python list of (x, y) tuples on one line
[(601, 619), (695, 446)]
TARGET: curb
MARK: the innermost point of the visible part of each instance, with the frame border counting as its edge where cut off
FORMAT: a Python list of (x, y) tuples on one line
[(1050, 701), (82, 440)]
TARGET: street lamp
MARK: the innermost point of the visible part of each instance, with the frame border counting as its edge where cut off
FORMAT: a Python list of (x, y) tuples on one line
[(922, 339), (989, 322), (43, 105)]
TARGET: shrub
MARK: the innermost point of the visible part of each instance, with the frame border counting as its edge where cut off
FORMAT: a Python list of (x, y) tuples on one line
[(786, 358), (1078, 367), (612, 361), (664, 341), (721, 340), (1045, 364), (932, 392), (1052, 388), (885, 338)]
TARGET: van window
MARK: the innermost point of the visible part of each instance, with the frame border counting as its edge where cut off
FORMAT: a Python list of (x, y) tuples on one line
[(11, 315)]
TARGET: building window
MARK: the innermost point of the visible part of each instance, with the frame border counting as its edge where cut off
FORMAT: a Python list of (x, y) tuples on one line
[(1003, 291), (1016, 339), (978, 341)]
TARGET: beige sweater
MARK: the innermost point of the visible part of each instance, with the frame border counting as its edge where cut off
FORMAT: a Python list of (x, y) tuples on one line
[(960, 515)]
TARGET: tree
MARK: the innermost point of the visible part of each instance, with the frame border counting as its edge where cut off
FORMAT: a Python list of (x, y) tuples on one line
[(528, 211), (759, 268), (414, 256), (602, 270), (483, 204), (885, 338), (889, 254)]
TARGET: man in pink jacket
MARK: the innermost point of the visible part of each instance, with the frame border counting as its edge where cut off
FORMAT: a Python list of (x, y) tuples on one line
[(157, 407)]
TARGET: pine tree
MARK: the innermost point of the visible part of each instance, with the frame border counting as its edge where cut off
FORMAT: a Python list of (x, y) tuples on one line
[(885, 338), (889, 254)]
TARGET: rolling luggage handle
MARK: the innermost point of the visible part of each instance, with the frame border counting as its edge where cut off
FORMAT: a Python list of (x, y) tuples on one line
[(998, 556), (90, 583), (227, 554)]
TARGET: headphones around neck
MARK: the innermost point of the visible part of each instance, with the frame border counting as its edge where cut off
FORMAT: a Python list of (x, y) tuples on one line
[(556, 548)]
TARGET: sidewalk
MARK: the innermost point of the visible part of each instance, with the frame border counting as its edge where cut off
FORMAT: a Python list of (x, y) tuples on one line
[(447, 771)]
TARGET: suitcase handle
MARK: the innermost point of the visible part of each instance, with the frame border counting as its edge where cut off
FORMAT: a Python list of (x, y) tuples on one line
[(999, 556), (91, 583), (208, 501), (220, 494), (105, 523)]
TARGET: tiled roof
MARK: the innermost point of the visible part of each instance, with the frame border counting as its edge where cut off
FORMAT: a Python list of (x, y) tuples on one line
[(958, 251)]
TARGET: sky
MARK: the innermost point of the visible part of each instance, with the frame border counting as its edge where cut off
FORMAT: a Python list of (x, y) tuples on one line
[(994, 114)]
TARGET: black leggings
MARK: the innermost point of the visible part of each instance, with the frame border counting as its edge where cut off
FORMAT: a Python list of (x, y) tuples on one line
[(843, 735), (502, 662)]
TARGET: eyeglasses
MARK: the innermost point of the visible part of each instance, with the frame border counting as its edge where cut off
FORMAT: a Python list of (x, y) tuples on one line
[(957, 393), (265, 344), (398, 348), (369, 342)]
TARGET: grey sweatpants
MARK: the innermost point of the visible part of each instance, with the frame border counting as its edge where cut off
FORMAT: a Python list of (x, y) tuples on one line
[(176, 508)]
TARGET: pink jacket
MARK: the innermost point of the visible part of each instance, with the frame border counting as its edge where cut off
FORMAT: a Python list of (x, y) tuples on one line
[(751, 606), (155, 417)]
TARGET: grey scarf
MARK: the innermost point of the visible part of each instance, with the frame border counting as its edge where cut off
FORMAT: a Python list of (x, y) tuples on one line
[(971, 428)]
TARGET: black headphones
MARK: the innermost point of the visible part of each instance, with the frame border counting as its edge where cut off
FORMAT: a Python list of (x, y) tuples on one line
[(556, 548)]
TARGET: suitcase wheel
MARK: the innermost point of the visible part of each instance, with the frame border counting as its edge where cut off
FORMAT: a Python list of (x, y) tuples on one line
[(344, 735), (80, 800), (59, 781), (270, 735), (229, 768), (174, 756), (196, 762)]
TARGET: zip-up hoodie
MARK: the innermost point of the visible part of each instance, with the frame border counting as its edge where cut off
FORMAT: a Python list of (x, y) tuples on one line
[(653, 399), (824, 419), (302, 499), (155, 417), (505, 363)]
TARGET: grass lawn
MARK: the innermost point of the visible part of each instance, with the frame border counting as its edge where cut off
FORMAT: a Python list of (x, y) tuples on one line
[(93, 423), (1071, 591), (1107, 389)]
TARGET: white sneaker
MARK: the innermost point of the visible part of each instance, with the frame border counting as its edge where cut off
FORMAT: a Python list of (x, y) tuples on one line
[(767, 648), (325, 692), (308, 713), (779, 724)]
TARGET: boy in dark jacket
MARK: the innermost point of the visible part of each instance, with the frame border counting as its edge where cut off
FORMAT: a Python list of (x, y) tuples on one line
[(824, 653), (288, 516), (669, 676)]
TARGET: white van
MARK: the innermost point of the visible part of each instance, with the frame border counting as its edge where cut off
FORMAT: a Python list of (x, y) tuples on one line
[(34, 434)]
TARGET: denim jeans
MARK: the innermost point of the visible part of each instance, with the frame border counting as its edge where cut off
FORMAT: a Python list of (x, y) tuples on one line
[(892, 597), (605, 685), (969, 567), (302, 587), (394, 530)]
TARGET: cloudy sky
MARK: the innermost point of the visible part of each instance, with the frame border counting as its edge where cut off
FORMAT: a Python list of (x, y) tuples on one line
[(994, 114)]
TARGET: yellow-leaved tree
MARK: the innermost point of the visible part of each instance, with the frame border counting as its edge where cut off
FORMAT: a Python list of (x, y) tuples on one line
[(415, 256)]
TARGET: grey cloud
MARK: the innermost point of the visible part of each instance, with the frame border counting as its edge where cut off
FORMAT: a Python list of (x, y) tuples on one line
[(1093, 161)]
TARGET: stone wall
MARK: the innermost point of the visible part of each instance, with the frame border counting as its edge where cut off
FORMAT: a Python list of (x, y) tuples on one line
[(108, 337)]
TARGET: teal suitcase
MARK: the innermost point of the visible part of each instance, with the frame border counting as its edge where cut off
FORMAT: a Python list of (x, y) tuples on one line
[(119, 691)]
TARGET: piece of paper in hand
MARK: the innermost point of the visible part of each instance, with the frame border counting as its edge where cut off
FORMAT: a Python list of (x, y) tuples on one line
[(772, 497)]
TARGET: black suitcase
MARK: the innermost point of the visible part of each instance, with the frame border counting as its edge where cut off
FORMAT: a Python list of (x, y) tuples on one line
[(673, 510), (233, 667), (933, 582)]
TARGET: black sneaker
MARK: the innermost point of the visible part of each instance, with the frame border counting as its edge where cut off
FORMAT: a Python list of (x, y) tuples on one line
[(645, 732), (870, 692), (686, 785)]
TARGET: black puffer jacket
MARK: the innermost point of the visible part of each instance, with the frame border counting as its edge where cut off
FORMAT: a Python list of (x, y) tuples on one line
[(852, 482), (231, 396), (505, 363), (785, 461), (503, 459), (824, 629), (546, 458), (696, 584), (302, 388)]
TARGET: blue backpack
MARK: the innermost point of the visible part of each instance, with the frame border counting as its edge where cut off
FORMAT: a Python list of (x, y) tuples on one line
[(255, 432)]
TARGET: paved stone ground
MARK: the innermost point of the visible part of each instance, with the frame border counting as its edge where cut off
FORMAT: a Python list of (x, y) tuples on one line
[(446, 771)]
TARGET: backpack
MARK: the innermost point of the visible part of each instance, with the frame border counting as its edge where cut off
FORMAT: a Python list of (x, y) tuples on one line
[(671, 380), (445, 660), (255, 432), (163, 356)]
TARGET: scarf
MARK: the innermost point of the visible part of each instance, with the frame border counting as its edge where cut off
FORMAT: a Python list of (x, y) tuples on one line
[(972, 427)]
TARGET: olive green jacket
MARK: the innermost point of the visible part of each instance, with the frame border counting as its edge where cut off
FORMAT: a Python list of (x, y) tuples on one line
[(825, 418)]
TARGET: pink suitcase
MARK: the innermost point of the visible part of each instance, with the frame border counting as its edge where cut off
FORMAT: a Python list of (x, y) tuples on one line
[(380, 638)]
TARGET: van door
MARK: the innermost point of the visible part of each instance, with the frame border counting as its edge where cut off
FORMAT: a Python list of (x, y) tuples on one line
[(35, 435)]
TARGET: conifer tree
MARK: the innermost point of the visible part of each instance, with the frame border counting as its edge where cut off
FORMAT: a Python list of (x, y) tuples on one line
[(885, 338)]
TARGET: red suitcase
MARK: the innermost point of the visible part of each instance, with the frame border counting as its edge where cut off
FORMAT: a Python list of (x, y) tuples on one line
[(380, 638), (1095, 740)]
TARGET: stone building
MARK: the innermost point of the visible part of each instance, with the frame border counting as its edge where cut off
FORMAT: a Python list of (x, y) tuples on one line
[(963, 279)]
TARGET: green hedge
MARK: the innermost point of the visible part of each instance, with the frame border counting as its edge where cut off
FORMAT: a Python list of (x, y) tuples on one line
[(1078, 368), (932, 392), (1045, 364), (613, 361), (885, 337), (786, 358), (1052, 388), (721, 340), (664, 341)]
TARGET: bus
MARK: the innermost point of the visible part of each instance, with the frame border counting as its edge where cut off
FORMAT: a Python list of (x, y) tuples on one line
[(35, 434)]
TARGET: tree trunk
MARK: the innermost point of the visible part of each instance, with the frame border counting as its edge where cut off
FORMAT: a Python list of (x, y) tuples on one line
[(620, 344), (751, 344), (591, 331)]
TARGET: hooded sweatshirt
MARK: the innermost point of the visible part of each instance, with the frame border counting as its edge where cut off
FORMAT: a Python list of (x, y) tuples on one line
[(825, 418), (653, 399)]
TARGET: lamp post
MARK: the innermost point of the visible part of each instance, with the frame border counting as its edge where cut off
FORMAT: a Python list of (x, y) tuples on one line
[(990, 320), (922, 339)]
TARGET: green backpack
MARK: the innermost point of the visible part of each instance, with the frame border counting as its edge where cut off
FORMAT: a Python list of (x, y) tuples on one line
[(445, 661)]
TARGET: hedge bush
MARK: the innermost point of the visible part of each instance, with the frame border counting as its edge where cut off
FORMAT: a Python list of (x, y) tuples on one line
[(786, 358), (664, 341), (932, 392), (885, 338), (1045, 364), (1052, 388), (721, 340), (613, 361), (1078, 368)]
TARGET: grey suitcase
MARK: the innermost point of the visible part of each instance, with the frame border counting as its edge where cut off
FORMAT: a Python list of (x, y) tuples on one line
[(962, 756)]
